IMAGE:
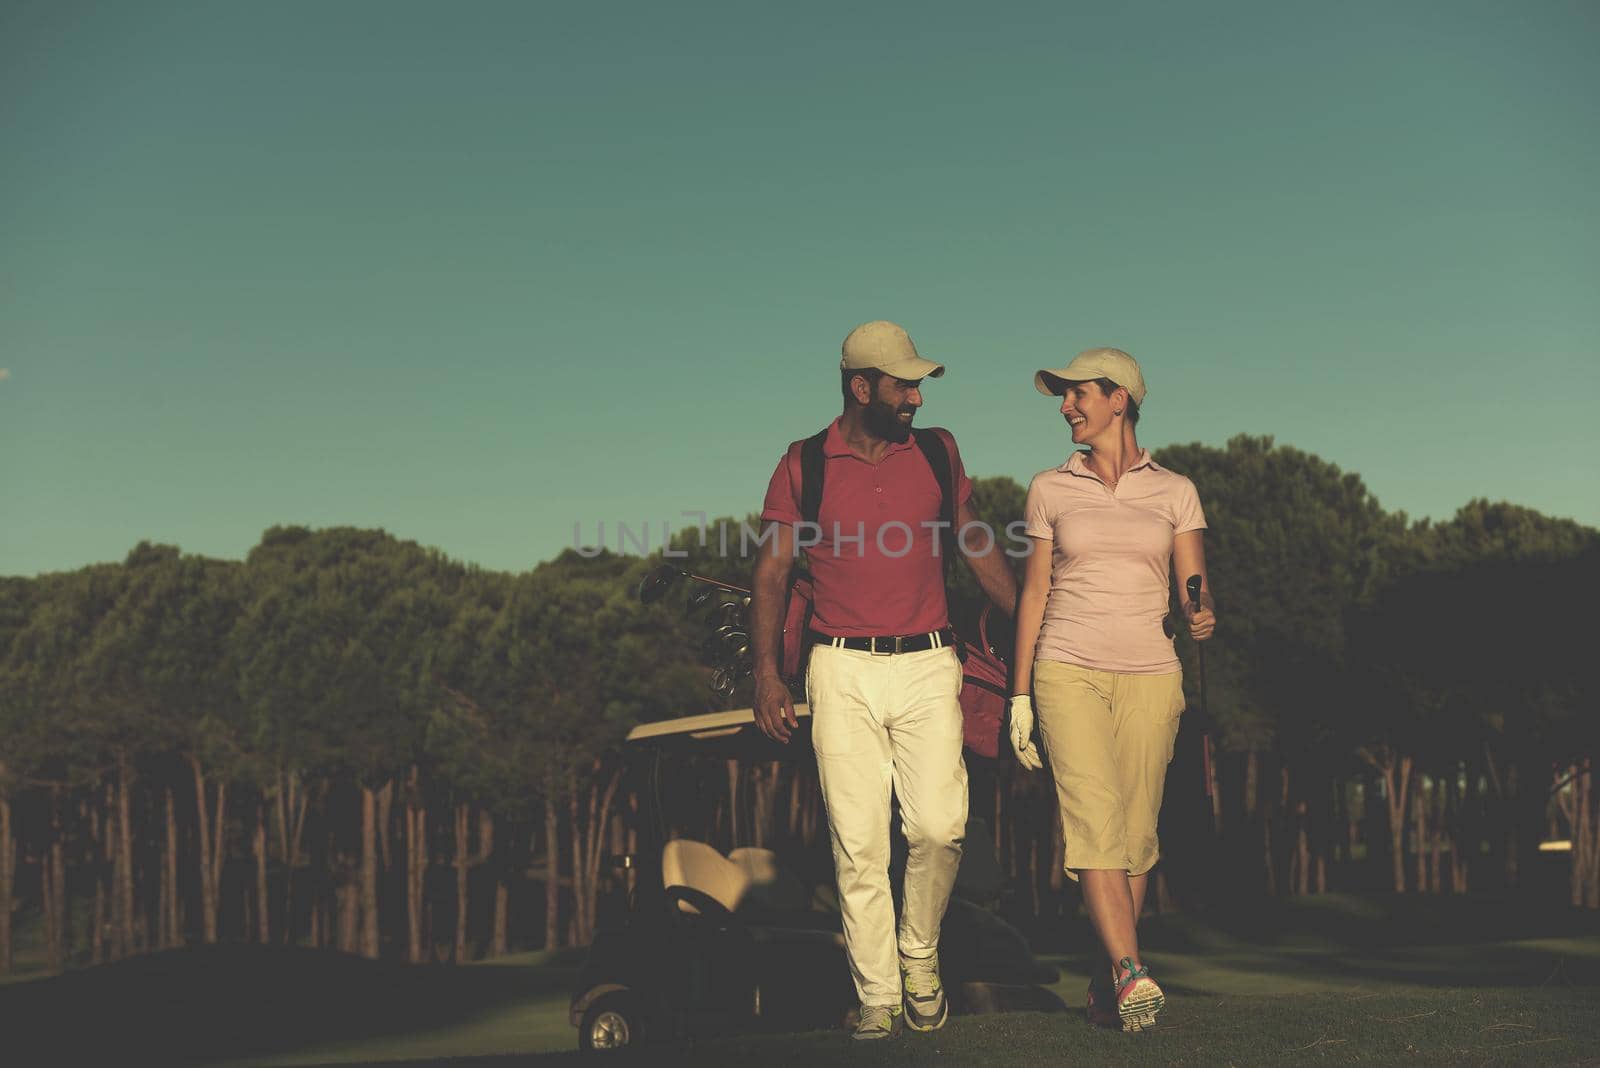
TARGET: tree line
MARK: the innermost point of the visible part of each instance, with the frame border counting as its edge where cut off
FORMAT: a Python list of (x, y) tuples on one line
[(349, 740)]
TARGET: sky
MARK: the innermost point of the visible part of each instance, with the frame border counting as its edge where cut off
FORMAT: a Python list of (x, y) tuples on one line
[(486, 275)]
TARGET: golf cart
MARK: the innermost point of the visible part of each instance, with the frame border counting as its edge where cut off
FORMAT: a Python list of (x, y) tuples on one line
[(751, 939)]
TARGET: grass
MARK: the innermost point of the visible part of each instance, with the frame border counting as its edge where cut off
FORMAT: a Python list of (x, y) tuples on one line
[(1334, 979)]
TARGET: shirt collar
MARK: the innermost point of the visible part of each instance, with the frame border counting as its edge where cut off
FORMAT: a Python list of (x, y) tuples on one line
[(1077, 463), (835, 445)]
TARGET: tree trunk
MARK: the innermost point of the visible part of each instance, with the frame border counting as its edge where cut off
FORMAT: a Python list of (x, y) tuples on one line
[(500, 941), (349, 901), (465, 861), (1573, 800), (1302, 849), (1592, 894), (385, 808), (259, 847), (122, 872), (1033, 875), (1436, 844), (794, 803), (210, 863), (552, 886), (575, 831), (8, 878), (98, 833), (416, 818), (165, 887), (1252, 773), (53, 878), (1397, 781), (369, 873), (292, 805), (1419, 832), (1268, 862), (598, 818)]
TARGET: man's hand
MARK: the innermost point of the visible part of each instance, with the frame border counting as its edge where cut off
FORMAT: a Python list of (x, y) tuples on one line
[(1022, 732), (775, 708), (1202, 621)]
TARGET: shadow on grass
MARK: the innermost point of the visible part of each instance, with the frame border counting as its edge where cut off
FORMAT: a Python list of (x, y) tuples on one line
[(214, 1002)]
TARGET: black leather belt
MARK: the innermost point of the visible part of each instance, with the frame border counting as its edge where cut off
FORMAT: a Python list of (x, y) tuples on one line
[(888, 645)]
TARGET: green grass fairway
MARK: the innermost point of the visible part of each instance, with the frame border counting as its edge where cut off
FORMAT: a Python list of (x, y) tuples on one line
[(1333, 979)]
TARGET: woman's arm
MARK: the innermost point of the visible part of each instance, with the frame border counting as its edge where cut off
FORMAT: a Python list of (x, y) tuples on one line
[(1030, 612), (1189, 558)]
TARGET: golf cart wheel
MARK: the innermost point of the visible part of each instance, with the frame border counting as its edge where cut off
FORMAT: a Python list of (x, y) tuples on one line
[(613, 1022)]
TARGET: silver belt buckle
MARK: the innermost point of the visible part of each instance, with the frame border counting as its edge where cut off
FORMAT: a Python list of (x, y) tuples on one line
[(888, 651)]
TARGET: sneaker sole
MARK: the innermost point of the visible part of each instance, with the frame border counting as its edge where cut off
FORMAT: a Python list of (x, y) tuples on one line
[(912, 1019), (1137, 1008)]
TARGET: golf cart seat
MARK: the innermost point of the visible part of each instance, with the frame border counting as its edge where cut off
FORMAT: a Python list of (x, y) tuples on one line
[(700, 880), (772, 886)]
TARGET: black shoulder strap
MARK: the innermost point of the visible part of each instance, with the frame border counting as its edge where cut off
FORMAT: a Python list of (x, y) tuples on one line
[(812, 467), (932, 445)]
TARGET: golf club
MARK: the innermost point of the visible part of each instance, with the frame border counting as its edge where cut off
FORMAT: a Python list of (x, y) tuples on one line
[(703, 598), (1192, 585), (654, 585)]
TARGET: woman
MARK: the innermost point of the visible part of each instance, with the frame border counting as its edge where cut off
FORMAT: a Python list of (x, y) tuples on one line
[(1092, 636)]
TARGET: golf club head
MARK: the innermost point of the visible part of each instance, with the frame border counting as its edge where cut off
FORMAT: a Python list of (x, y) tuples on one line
[(700, 597), (654, 585)]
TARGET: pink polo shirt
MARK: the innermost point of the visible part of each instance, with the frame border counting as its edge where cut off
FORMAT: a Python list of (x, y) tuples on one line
[(1111, 555), (878, 569)]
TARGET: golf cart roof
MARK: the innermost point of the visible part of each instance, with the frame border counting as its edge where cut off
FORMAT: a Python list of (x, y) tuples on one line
[(725, 728)]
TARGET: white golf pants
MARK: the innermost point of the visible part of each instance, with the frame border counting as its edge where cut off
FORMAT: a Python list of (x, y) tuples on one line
[(882, 723)]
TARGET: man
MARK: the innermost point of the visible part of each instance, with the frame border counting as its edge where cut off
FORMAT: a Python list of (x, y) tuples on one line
[(883, 681)]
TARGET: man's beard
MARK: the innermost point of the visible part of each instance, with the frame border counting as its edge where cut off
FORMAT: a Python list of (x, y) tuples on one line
[(883, 421)]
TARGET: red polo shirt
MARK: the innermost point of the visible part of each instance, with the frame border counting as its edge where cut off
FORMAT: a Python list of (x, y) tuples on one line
[(878, 565)]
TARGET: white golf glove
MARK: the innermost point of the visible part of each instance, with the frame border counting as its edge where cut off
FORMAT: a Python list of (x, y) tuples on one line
[(1022, 732)]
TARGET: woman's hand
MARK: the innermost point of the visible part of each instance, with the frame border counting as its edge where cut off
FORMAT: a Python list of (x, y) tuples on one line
[(1022, 733), (1202, 620)]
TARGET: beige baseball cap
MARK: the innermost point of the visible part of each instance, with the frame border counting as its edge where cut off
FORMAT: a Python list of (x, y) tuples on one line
[(887, 347), (1091, 364)]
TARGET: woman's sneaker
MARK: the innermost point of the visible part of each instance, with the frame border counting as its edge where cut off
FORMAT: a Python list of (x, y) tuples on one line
[(1101, 1010), (1138, 997), (878, 1021), (926, 1007)]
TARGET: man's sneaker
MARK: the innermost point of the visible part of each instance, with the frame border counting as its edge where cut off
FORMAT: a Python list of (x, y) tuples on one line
[(1138, 997), (878, 1021), (926, 1007), (1101, 1010)]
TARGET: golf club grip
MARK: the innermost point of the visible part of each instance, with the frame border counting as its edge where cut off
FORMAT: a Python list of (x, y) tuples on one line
[(1192, 584)]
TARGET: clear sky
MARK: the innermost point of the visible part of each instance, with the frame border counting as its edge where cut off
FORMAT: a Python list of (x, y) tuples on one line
[(475, 272)]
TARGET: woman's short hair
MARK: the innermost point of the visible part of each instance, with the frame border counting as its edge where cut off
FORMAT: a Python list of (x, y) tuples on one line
[(1108, 387)]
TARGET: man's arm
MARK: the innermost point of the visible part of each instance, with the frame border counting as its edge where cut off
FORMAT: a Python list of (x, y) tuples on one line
[(774, 709), (989, 567)]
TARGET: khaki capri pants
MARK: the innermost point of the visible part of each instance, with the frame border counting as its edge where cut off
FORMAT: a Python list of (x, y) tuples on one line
[(1109, 738)]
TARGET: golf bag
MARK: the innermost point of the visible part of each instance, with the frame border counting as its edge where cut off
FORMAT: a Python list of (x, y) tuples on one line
[(984, 674)]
